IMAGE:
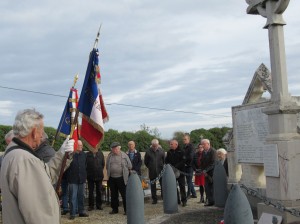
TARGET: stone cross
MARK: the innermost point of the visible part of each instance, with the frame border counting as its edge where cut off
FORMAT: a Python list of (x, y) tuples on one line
[(273, 10)]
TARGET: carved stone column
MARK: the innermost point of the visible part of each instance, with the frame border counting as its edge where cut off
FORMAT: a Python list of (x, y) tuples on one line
[(282, 114)]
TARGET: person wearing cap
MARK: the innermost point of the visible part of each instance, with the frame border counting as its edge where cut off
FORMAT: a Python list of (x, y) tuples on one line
[(118, 167), (26, 181), (222, 157)]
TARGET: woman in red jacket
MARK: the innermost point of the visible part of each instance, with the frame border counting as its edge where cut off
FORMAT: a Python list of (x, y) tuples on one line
[(199, 176)]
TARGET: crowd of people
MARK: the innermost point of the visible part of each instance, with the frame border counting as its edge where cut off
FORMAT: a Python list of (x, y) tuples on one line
[(30, 169)]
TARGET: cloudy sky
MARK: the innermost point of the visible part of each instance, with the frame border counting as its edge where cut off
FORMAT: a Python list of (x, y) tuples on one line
[(172, 65)]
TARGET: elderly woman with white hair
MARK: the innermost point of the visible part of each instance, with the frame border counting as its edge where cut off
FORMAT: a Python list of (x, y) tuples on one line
[(222, 157)]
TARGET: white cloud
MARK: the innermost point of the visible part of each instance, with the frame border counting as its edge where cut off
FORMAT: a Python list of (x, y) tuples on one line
[(6, 108), (191, 56)]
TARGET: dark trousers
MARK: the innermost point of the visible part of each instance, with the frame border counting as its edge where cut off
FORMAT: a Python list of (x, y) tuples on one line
[(153, 189), (91, 186), (209, 190), (65, 195), (181, 183), (189, 181), (117, 185)]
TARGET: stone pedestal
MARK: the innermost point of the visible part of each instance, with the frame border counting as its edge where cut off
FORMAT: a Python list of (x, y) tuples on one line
[(234, 169), (287, 217)]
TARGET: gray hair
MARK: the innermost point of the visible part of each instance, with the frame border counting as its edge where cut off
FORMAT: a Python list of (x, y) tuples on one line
[(155, 142), (25, 121), (205, 140), (222, 151), (9, 135)]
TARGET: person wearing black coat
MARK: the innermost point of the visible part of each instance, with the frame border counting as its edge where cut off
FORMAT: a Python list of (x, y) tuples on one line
[(76, 180), (207, 165), (177, 158), (154, 160), (189, 153), (94, 167), (135, 157)]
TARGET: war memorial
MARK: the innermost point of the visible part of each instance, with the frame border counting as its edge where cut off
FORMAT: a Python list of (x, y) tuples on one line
[(263, 148)]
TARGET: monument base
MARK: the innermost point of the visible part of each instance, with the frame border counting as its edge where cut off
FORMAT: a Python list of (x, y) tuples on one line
[(286, 216)]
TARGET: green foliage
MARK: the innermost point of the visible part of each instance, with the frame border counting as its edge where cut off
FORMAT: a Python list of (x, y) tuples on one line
[(3, 131), (142, 137)]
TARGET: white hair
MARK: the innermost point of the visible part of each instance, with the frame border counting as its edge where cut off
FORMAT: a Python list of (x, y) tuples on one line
[(155, 142), (222, 151), (205, 140), (25, 121)]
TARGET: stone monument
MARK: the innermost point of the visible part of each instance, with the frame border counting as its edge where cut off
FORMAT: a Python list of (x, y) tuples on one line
[(283, 139)]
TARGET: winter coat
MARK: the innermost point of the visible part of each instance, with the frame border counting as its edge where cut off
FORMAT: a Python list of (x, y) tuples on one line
[(176, 158), (77, 170), (126, 165), (136, 161), (45, 151), (208, 161), (27, 188), (154, 161), (189, 154), (94, 165)]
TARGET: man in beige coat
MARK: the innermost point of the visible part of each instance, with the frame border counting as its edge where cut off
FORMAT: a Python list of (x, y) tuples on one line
[(25, 180)]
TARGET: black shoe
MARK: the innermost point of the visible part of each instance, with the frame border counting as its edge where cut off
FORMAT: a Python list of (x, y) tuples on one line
[(64, 212), (154, 202), (113, 212), (184, 204), (99, 207), (83, 215), (194, 196), (201, 200), (209, 204), (90, 208), (72, 217)]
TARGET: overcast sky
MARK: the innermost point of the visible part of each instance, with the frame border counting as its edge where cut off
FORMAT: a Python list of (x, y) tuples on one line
[(197, 57)]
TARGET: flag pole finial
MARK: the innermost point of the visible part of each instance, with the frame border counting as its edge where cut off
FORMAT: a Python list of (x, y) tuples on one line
[(97, 38), (75, 79)]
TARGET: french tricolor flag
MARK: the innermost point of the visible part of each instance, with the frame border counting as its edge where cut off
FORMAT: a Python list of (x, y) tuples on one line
[(91, 105)]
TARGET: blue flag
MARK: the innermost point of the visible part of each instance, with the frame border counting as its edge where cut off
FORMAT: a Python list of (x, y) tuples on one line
[(89, 92), (90, 105), (64, 127)]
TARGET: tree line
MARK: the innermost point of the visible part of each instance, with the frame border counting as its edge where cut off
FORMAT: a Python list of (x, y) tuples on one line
[(142, 137)]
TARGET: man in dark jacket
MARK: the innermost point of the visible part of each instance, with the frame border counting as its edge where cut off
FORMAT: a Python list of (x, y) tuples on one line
[(176, 158), (45, 151), (135, 157), (154, 161), (189, 154), (207, 165), (94, 167), (76, 180)]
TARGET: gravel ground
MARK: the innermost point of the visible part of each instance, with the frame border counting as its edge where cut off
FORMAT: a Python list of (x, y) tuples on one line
[(192, 213), (154, 214)]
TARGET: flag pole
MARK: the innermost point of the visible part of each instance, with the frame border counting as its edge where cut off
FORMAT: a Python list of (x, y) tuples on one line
[(97, 38), (65, 112), (64, 161)]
